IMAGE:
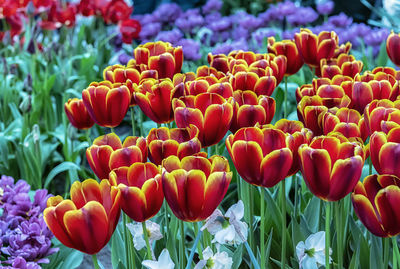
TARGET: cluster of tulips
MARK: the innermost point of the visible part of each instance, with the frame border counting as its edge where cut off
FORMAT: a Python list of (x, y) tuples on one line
[(337, 112)]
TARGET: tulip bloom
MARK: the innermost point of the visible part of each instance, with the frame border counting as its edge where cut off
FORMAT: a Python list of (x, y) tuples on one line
[(385, 151), (198, 86), (120, 74), (331, 166), (345, 121), (195, 186), (164, 142), (77, 114), (88, 220), (382, 115), (130, 30), (160, 56), (344, 65), (309, 110), (108, 153), (249, 109), (288, 49), (296, 135), (250, 81), (115, 11), (375, 201), (262, 157), (107, 105), (141, 191), (209, 112), (219, 62), (155, 99), (393, 48), (313, 48)]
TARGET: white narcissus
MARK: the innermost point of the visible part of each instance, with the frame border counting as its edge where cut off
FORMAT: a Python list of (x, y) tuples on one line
[(311, 253), (136, 229), (164, 262), (219, 260), (228, 229)]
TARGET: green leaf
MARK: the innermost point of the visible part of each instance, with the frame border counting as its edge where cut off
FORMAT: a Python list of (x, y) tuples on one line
[(118, 248), (237, 257), (312, 214), (382, 56), (59, 169)]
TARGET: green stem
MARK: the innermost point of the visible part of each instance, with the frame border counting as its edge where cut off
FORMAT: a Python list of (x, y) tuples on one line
[(112, 130), (251, 254), (250, 195), (339, 230), (262, 230), (126, 239), (285, 111), (216, 149), (140, 122), (283, 205), (195, 244), (396, 254), (370, 165), (182, 245), (197, 232), (327, 233), (146, 238), (88, 136), (133, 121), (165, 208), (95, 262), (296, 196), (386, 249)]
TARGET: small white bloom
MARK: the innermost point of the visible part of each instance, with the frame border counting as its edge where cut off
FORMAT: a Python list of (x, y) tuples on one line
[(228, 229), (220, 260), (164, 262), (153, 231), (311, 253)]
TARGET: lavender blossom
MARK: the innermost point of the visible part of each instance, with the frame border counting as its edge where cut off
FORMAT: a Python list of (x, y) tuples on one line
[(303, 16), (124, 58), (150, 30), (341, 20), (220, 25), (172, 36), (168, 12), (261, 34), (191, 49), (212, 6), (325, 8), (190, 20)]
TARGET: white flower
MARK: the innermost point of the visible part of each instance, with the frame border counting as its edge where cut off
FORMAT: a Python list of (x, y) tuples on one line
[(220, 260), (228, 229), (164, 262), (311, 254), (153, 231)]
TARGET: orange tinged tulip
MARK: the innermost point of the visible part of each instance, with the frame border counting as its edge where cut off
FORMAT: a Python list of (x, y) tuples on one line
[(141, 190), (88, 220), (108, 153), (195, 185), (288, 49), (375, 201), (344, 65), (164, 142), (77, 114), (249, 109), (262, 157), (120, 74), (382, 115), (393, 48), (107, 104), (160, 56), (313, 48), (209, 112), (331, 166)]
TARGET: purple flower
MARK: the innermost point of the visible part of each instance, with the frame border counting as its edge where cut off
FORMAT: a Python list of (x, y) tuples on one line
[(172, 36), (303, 16), (212, 17), (211, 6), (248, 21), (261, 34), (325, 8), (168, 12), (191, 49), (239, 33), (229, 46), (146, 18), (376, 37), (20, 263), (286, 8), (222, 24), (341, 20), (189, 20), (270, 15), (124, 58), (149, 31)]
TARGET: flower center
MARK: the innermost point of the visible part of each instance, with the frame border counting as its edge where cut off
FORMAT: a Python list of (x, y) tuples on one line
[(310, 252)]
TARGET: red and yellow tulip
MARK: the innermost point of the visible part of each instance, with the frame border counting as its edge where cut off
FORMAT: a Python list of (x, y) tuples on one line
[(195, 185), (376, 202), (393, 48), (88, 220), (77, 114), (141, 190), (288, 49)]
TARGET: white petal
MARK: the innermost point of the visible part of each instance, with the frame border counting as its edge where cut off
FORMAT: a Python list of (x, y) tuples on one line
[(309, 263), (222, 261), (139, 242), (320, 257), (300, 250), (316, 241), (150, 264), (200, 265), (225, 236), (207, 253), (237, 210), (212, 220), (165, 260)]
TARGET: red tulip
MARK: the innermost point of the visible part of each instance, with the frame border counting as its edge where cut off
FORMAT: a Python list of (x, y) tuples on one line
[(88, 220), (141, 190), (393, 48), (382, 115), (375, 201), (209, 112), (108, 153), (195, 186), (130, 30), (164, 142), (106, 103), (261, 156), (288, 49), (344, 65), (116, 11), (77, 114), (331, 167)]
